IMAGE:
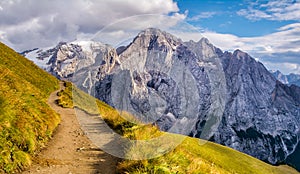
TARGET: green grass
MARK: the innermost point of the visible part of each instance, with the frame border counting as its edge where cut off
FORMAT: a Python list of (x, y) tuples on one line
[(65, 99), (26, 120), (190, 156), (73, 97)]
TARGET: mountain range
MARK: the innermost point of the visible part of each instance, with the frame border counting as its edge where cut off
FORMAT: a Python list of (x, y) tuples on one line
[(191, 88), (27, 122), (290, 79)]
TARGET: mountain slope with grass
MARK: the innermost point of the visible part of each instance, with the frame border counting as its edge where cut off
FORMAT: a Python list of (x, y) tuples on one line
[(26, 120), (191, 156)]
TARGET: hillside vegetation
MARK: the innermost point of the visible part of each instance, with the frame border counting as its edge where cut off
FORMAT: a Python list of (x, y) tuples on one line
[(188, 157), (26, 120)]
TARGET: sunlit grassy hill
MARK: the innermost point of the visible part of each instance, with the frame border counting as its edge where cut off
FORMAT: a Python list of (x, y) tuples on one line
[(191, 156), (26, 120)]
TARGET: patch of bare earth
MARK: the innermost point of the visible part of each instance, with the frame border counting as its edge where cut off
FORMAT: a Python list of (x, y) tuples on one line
[(70, 151)]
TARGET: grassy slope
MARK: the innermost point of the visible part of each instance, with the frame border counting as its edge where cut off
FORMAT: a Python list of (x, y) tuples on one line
[(188, 157), (26, 121)]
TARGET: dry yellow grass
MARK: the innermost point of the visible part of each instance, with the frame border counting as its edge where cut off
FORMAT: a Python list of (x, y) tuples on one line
[(26, 121), (191, 156)]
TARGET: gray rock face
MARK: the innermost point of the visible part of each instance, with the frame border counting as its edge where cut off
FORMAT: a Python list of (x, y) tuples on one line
[(261, 117), (83, 63), (191, 88), (290, 79)]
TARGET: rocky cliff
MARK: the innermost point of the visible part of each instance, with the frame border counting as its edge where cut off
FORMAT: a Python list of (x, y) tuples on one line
[(82, 62), (262, 115), (191, 88)]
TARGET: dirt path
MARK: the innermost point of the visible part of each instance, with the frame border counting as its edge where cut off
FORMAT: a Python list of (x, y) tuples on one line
[(70, 151)]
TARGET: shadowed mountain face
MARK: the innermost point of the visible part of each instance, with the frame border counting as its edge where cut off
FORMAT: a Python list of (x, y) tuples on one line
[(262, 115), (190, 88)]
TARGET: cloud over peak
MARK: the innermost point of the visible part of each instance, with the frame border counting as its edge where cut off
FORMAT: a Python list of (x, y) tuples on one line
[(31, 23)]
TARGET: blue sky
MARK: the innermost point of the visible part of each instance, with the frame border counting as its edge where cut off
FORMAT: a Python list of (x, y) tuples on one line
[(268, 30), (222, 17)]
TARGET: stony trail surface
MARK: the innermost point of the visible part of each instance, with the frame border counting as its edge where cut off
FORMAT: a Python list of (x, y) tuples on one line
[(70, 150)]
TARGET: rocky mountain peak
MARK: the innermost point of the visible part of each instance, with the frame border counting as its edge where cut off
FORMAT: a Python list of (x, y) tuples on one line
[(151, 31), (157, 33), (152, 37), (240, 54), (203, 49), (148, 43), (204, 40), (290, 79)]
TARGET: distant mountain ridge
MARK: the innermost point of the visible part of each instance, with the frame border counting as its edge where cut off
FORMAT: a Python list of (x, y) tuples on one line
[(261, 117), (290, 79)]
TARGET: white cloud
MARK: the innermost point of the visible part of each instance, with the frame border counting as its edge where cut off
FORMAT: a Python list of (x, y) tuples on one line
[(227, 42), (202, 15), (282, 41), (290, 26), (128, 28), (34, 23), (45, 23), (272, 10), (2, 35), (285, 67), (253, 14), (281, 47)]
